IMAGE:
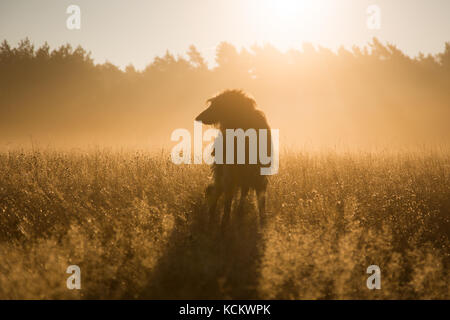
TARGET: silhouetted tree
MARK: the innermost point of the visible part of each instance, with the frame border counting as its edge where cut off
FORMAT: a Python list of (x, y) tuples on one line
[(196, 58)]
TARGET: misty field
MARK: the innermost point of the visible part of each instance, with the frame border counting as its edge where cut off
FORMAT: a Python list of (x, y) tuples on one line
[(136, 226)]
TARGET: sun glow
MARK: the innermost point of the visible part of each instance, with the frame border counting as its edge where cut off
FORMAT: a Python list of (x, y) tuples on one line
[(285, 11), (283, 22)]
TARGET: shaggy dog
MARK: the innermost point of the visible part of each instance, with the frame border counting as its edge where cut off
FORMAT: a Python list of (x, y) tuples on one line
[(233, 109)]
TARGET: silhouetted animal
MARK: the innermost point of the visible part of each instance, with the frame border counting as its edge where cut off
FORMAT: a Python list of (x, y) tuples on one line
[(233, 109)]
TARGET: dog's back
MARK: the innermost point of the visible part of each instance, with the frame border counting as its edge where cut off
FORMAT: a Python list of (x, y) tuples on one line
[(245, 175)]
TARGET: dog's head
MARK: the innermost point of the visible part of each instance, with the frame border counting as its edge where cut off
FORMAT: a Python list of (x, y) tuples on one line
[(227, 107)]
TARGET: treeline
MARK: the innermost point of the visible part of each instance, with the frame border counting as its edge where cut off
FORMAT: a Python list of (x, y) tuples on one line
[(364, 94)]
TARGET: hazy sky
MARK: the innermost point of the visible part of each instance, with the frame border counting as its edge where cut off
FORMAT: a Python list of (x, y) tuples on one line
[(124, 32)]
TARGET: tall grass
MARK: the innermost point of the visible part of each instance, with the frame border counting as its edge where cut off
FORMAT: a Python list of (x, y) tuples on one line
[(136, 225)]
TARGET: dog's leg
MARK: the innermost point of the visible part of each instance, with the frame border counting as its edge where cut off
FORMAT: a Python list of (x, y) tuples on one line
[(213, 194), (261, 195), (227, 207), (244, 192)]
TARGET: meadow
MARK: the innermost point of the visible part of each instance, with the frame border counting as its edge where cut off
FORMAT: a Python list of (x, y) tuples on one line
[(136, 225)]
